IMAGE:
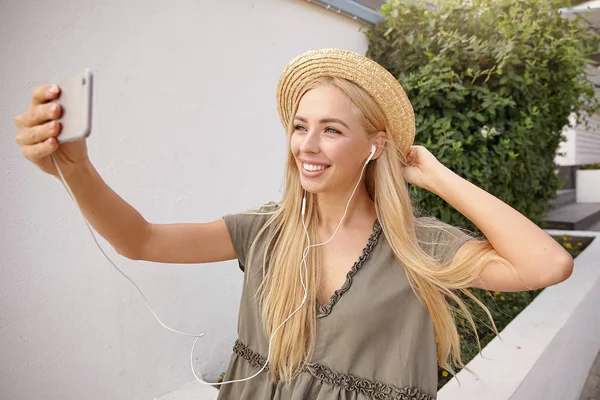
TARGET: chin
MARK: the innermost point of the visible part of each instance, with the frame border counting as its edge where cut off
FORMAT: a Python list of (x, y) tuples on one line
[(312, 188)]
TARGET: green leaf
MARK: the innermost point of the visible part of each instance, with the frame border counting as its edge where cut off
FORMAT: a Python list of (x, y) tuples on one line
[(492, 84)]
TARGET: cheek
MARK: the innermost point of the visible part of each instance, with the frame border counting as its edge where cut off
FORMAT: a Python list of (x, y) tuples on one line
[(342, 154), (295, 145)]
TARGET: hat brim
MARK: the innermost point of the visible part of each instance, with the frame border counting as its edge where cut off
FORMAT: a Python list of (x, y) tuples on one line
[(385, 90)]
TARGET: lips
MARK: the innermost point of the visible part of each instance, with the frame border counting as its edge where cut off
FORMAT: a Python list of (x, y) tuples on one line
[(312, 168), (312, 162)]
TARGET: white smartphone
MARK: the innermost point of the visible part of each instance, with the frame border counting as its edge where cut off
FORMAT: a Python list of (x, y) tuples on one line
[(76, 101)]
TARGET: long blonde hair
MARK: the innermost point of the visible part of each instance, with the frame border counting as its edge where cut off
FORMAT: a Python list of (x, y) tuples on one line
[(435, 285)]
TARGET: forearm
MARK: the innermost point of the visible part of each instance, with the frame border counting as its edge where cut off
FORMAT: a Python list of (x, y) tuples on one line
[(111, 216), (512, 235)]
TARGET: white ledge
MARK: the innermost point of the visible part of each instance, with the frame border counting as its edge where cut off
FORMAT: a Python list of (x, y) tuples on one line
[(546, 352)]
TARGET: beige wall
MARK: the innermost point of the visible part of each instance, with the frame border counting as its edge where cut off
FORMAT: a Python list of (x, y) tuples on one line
[(185, 128)]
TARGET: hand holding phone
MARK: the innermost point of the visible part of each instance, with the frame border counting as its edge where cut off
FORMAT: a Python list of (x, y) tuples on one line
[(75, 99), (58, 114)]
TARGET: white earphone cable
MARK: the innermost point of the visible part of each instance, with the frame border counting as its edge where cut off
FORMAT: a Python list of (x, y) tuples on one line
[(303, 278), (197, 336)]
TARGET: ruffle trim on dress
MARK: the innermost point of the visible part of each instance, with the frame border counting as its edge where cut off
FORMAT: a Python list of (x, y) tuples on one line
[(374, 389), (324, 310), (254, 359)]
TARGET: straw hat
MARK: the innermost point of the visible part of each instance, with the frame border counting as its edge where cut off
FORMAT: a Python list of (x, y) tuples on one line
[(366, 73)]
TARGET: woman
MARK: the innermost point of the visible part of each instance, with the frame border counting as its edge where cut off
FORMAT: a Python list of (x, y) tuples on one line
[(361, 317)]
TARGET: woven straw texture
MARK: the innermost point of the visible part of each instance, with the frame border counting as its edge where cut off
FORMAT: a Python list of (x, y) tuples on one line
[(366, 73)]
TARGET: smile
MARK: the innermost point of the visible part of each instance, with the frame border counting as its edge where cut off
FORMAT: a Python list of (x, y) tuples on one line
[(310, 167)]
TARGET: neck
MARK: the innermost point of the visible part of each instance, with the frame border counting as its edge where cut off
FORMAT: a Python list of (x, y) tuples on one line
[(331, 208)]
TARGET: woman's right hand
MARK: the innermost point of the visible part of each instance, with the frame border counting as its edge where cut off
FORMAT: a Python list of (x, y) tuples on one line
[(37, 129)]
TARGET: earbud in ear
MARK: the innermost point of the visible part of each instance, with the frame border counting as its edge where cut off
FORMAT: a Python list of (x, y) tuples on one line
[(372, 153)]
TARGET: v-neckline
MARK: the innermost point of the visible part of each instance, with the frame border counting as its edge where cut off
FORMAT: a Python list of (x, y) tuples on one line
[(325, 309)]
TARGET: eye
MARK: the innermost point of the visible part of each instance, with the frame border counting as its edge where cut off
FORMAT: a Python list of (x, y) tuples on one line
[(331, 130), (298, 127)]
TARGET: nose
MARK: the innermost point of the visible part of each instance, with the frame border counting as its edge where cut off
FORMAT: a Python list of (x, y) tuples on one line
[(310, 143)]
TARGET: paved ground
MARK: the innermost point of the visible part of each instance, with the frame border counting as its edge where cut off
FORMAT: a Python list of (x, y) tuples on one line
[(591, 390)]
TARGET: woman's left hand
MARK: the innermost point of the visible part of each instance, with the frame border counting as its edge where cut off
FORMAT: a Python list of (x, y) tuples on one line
[(421, 165)]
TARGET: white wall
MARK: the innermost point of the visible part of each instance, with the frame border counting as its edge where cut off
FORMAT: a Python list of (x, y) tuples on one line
[(566, 150), (582, 145), (587, 142), (185, 128), (588, 186)]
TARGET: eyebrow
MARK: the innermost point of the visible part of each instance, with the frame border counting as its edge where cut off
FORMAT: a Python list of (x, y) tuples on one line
[(339, 121)]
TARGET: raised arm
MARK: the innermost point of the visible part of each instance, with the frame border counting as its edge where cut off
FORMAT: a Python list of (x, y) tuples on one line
[(111, 216)]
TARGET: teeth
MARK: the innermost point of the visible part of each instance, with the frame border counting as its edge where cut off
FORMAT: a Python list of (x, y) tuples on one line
[(310, 167)]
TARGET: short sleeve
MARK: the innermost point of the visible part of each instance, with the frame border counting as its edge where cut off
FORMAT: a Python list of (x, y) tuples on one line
[(439, 239), (244, 227)]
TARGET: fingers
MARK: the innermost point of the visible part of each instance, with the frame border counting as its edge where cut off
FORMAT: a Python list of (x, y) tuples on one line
[(36, 136), (39, 111), (42, 94), (36, 152), (38, 114), (38, 133), (410, 158)]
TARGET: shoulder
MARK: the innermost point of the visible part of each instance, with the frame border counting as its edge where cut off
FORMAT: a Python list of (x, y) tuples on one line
[(253, 217), (244, 227), (267, 208), (250, 220)]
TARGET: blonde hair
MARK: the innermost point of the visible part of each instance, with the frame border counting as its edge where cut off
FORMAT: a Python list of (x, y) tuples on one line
[(434, 284)]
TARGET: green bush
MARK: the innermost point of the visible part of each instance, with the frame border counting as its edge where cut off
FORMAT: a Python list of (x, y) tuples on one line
[(504, 307), (590, 166), (492, 84)]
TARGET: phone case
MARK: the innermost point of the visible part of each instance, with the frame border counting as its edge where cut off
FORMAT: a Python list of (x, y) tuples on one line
[(76, 101)]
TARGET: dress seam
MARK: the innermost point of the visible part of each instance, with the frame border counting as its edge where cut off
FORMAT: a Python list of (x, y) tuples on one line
[(374, 389)]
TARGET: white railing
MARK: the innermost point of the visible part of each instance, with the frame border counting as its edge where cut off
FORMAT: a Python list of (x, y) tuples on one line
[(547, 350), (544, 353)]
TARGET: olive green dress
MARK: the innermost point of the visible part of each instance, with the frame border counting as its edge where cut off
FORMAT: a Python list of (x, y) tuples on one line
[(375, 340)]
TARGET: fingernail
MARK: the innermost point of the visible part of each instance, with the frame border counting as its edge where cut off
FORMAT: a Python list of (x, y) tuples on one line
[(53, 89)]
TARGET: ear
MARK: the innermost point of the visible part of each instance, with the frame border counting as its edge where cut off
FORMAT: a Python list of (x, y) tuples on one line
[(379, 140)]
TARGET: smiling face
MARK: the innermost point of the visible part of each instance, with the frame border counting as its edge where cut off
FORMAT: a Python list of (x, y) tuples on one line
[(329, 142)]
